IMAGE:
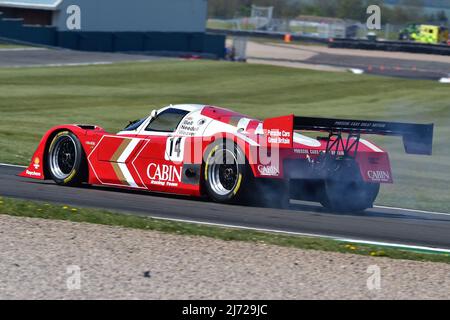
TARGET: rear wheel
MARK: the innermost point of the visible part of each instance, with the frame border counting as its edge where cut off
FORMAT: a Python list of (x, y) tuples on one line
[(345, 190), (66, 159)]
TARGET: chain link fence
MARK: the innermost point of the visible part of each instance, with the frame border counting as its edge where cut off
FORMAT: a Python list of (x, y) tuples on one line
[(321, 28)]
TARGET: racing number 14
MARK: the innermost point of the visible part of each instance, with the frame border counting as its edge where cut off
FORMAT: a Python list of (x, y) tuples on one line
[(175, 149)]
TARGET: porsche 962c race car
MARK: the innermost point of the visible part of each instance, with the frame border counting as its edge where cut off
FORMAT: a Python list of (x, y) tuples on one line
[(201, 150)]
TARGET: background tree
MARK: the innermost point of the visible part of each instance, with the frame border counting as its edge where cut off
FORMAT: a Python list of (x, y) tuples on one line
[(351, 9)]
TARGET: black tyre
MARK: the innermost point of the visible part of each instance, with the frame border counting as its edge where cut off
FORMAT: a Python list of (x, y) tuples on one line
[(225, 172), (66, 161), (345, 190), (229, 179)]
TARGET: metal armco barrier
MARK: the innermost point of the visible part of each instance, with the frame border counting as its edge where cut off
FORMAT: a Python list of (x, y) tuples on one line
[(402, 46), (267, 35)]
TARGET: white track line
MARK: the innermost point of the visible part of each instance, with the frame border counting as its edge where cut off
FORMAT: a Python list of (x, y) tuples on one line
[(21, 49), (378, 243), (11, 165), (413, 210), (53, 65), (386, 244)]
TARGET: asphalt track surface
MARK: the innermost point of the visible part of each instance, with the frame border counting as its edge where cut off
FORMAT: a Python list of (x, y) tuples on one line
[(391, 64), (399, 226), (420, 70), (426, 70), (35, 57)]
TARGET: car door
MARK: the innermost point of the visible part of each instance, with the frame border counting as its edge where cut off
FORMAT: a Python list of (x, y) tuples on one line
[(160, 160)]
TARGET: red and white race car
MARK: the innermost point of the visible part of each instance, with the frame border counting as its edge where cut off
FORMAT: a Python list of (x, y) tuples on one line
[(199, 150)]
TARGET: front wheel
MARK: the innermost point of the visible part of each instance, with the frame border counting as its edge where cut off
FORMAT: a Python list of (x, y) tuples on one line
[(225, 172), (66, 159), (228, 178)]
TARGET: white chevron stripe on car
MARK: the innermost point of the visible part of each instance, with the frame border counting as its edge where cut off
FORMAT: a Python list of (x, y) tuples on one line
[(122, 162), (126, 173), (128, 150)]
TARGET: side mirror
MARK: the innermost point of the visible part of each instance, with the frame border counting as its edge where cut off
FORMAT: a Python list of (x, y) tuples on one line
[(154, 114)]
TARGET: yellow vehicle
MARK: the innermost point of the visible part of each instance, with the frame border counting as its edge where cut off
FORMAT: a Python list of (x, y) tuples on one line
[(430, 34)]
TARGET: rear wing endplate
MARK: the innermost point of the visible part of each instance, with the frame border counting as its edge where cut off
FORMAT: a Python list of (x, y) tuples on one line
[(417, 138)]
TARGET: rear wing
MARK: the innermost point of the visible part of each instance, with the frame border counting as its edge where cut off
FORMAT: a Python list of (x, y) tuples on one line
[(417, 138)]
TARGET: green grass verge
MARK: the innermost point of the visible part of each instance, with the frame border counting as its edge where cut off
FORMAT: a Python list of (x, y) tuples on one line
[(215, 24), (21, 208), (35, 99), (11, 46)]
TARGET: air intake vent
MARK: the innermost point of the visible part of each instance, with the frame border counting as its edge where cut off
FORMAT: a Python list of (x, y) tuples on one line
[(86, 126)]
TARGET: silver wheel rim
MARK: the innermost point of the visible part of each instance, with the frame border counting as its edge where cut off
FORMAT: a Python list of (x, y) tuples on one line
[(223, 172), (63, 157)]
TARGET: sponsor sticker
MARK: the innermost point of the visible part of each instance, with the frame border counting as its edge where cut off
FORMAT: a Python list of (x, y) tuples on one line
[(378, 175), (164, 175), (91, 144), (268, 171), (36, 163), (189, 126), (317, 152), (33, 173), (278, 136)]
